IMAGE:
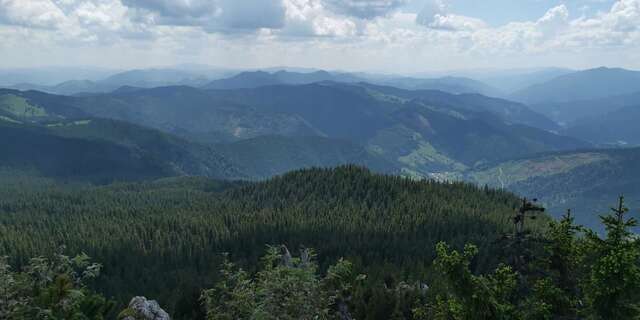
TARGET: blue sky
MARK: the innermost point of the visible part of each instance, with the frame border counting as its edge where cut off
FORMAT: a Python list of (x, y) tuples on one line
[(368, 35), (499, 12)]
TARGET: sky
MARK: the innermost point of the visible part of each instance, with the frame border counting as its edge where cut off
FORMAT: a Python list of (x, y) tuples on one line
[(356, 35)]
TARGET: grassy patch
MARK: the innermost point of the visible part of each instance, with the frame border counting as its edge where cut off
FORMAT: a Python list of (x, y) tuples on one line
[(515, 171), (68, 124), (426, 154), (3, 118), (20, 107)]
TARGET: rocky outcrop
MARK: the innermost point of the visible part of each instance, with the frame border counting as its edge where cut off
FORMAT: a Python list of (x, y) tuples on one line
[(142, 309)]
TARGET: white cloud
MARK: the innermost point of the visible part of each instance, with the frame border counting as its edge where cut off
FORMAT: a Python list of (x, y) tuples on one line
[(431, 9), (310, 18), (365, 9), (347, 33), (454, 22), (435, 15), (32, 13), (211, 15)]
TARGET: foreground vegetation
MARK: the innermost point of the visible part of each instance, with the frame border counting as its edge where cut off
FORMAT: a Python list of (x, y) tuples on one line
[(388, 248)]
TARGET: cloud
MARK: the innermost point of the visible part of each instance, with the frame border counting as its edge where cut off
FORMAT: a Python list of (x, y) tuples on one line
[(32, 13), (308, 32), (452, 22), (176, 11), (435, 15), (364, 9), (617, 27), (310, 18), (211, 15), (431, 9)]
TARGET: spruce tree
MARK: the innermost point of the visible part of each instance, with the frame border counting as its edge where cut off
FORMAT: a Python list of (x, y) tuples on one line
[(612, 285)]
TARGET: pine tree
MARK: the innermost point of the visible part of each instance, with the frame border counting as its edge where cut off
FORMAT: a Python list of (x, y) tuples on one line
[(556, 292), (470, 296), (612, 285)]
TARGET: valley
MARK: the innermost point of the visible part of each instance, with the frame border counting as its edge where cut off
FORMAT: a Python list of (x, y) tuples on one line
[(319, 160), (164, 176)]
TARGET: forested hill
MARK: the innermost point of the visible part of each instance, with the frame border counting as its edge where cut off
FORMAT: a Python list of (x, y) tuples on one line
[(585, 181), (102, 151), (163, 239), (420, 132)]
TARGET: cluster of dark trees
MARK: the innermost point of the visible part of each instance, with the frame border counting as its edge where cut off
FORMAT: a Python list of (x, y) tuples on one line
[(567, 273), (380, 242)]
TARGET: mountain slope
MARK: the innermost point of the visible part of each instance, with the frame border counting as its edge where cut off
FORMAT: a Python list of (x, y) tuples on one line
[(172, 231), (455, 85), (617, 127), (441, 134), (71, 158), (71, 87), (437, 140), (582, 85), (588, 182), (34, 106), (268, 156), (334, 111), (510, 81), (255, 79), (192, 113), (149, 78), (509, 111), (106, 150), (573, 112), (437, 132)]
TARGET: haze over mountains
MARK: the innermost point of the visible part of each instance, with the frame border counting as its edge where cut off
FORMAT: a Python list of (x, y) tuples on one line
[(257, 124), (319, 159)]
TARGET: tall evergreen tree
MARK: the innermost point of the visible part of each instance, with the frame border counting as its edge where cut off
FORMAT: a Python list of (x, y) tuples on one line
[(612, 285)]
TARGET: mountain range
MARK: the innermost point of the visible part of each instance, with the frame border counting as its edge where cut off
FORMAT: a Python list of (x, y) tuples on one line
[(415, 132), (228, 79), (425, 134), (582, 85), (255, 125)]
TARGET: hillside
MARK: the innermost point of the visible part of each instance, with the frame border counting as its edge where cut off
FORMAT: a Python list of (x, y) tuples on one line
[(192, 113), (444, 132), (582, 85), (585, 181), (455, 85), (419, 132), (619, 127), (163, 239), (510, 81), (508, 111), (143, 78), (573, 112), (34, 106), (268, 156), (102, 151), (255, 79)]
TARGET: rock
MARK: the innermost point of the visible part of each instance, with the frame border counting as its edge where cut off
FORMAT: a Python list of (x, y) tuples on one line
[(142, 309)]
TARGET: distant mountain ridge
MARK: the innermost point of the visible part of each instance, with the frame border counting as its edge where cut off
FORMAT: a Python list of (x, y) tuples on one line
[(255, 79), (509, 111), (582, 85), (142, 78), (227, 79), (516, 80), (574, 112), (417, 132)]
